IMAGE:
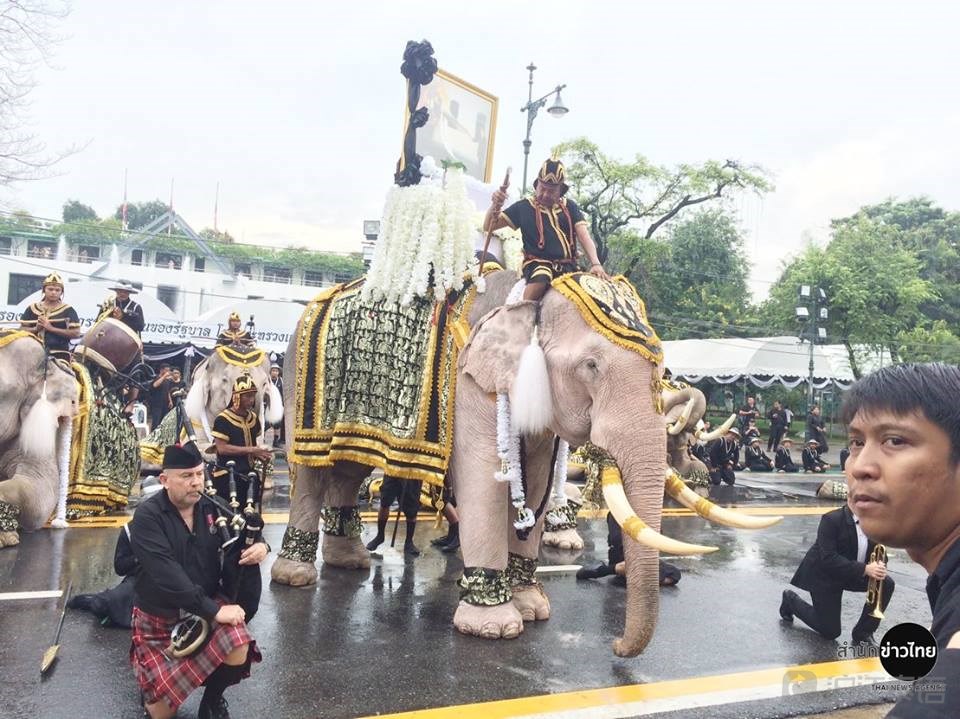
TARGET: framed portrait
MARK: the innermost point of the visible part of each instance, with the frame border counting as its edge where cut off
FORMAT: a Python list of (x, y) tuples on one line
[(462, 124)]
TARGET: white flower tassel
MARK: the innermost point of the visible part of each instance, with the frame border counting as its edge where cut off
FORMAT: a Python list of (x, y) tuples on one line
[(560, 475), (508, 450), (63, 467), (530, 395)]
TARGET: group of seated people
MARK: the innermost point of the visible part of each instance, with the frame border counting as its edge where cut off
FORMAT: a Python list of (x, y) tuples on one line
[(723, 460)]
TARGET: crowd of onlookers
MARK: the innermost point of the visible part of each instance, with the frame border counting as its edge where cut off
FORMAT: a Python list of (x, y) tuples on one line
[(741, 447)]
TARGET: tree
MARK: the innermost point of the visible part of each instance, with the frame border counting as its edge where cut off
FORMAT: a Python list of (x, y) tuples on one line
[(141, 214), (26, 41), (934, 344), (76, 211), (694, 281), (873, 286), (641, 196), (212, 235)]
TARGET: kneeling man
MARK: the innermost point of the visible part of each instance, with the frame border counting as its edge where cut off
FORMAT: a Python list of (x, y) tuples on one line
[(180, 575)]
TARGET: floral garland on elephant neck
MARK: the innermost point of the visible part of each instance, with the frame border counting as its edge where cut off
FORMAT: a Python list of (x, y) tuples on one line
[(484, 587), (300, 546), (341, 521), (9, 517)]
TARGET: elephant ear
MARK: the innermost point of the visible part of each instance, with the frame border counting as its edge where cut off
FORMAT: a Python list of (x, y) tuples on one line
[(491, 355)]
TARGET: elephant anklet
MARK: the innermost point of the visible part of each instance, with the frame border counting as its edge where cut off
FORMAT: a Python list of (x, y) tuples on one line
[(520, 570), (9, 517), (564, 517), (341, 521), (300, 546), (484, 587)]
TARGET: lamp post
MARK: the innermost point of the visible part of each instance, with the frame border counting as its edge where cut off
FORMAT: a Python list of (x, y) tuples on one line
[(557, 109), (811, 312)]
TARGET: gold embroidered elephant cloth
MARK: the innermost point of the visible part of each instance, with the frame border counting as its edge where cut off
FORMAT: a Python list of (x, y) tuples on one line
[(104, 456), (376, 382)]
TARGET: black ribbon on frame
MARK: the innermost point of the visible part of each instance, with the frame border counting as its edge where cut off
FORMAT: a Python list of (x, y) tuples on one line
[(418, 67)]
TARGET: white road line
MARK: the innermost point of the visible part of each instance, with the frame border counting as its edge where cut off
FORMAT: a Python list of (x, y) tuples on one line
[(46, 594), (551, 568)]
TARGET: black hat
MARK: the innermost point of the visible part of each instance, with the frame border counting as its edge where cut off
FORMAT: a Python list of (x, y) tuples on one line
[(185, 456), (553, 171)]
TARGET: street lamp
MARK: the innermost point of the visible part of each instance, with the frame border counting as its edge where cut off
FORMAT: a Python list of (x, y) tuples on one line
[(557, 109), (812, 309)]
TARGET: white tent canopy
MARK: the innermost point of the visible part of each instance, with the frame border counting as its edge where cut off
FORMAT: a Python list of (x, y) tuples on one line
[(764, 361)]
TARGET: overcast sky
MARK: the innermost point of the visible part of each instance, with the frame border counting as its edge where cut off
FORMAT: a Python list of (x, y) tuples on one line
[(295, 107)]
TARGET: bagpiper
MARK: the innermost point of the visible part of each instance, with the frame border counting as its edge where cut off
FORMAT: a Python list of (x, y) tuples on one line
[(53, 321)]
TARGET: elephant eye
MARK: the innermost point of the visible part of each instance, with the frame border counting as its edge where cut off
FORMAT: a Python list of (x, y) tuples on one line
[(591, 364)]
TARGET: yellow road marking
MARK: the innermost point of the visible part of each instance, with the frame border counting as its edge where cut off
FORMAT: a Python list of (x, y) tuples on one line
[(597, 698)]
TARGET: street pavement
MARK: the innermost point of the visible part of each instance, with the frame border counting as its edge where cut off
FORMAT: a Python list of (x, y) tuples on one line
[(379, 642)]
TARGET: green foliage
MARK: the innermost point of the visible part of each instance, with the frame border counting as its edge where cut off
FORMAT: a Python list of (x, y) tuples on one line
[(643, 197), (212, 235), (935, 343), (90, 232), (141, 214), (694, 282), (76, 211)]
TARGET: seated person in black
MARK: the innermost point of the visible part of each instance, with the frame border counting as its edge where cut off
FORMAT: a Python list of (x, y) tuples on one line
[(784, 460), (550, 226), (669, 574), (235, 434), (755, 458), (51, 320), (903, 426), (725, 457), (233, 334), (812, 462)]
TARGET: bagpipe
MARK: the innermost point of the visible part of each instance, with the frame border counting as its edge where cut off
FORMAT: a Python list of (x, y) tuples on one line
[(237, 531)]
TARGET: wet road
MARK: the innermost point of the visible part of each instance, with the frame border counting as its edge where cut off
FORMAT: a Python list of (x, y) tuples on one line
[(380, 641)]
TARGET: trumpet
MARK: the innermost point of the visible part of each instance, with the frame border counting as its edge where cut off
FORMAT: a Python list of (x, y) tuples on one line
[(875, 586)]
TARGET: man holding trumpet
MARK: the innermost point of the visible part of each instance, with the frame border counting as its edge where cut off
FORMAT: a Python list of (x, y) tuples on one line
[(842, 560)]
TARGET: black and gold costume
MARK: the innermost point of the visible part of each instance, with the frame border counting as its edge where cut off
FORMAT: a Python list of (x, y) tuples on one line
[(229, 337), (549, 236), (132, 315), (239, 432), (63, 317)]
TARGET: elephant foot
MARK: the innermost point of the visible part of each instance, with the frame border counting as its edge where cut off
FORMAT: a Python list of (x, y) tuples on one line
[(9, 539), (532, 602), (501, 621), (345, 552), (293, 573), (563, 539)]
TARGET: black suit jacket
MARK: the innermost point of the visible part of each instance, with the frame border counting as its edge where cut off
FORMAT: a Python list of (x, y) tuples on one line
[(831, 563)]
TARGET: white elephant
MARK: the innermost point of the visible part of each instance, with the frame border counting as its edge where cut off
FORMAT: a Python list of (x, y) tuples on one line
[(38, 397)]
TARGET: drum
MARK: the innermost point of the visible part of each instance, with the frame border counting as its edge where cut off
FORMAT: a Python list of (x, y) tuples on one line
[(110, 344)]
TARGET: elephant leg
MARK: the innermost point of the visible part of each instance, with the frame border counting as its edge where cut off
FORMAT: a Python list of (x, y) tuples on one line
[(28, 498), (560, 524), (529, 596), (341, 518), (295, 563)]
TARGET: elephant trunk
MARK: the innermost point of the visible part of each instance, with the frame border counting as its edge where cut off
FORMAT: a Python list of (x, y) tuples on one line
[(643, 599), (680, 407)]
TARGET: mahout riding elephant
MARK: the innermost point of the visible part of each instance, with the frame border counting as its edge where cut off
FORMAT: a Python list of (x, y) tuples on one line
[(599, 382), (38, 394)]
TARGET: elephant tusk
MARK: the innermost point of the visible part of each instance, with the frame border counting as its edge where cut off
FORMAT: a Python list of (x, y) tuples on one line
[(635, 527), (681, 423), (718, 432), (677, 489)]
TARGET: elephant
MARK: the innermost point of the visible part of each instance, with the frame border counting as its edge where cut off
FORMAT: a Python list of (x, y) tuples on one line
[(210, 393), (569, 380), (38, 396)]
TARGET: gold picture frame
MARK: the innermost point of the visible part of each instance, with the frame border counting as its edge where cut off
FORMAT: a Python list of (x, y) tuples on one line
[(462, 125)]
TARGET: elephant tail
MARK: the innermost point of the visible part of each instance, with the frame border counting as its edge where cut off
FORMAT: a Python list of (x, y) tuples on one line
[(38, 435)]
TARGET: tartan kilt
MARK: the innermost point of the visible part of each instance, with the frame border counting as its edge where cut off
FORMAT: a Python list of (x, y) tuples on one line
[(172, 680)]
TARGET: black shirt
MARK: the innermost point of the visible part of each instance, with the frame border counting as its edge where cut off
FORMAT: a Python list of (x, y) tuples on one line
[(784, 458), (179, 568), (63, 317), (132, 315), (559, 241), (777, 418), (238, 431), (943, 591)]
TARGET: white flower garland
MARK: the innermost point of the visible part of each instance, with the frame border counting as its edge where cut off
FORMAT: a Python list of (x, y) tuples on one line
[(508, 450), (424, 227)]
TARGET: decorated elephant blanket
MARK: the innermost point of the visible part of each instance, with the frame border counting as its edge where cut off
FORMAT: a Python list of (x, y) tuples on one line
[(376, 381), (242, 357), (104, 456)]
